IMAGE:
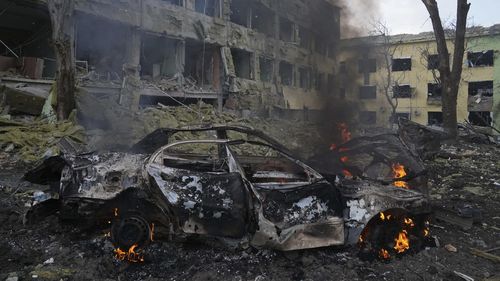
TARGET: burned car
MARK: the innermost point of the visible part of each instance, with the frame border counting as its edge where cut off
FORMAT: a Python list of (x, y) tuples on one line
[(229, 182)]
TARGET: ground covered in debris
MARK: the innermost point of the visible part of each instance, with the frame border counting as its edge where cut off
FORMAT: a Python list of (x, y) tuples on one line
[(465, 179)]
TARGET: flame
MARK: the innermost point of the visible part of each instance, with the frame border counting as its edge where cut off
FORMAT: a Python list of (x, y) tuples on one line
[(347, 173), (398, 171), (116, 212), (344, 159), (382, 216), (409, 222), (384, 254), (131, 255), (426, 232), (344, 131), (402, 243)]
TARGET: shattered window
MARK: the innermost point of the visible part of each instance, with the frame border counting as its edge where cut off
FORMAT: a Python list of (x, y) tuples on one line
[(286, 73), (305, 77), (263, 19), (480, 118), (208, 7), (196, 156), (239, 12), (401, 91), (434, 90), (432, 62), (286, 30), (242, 63), (401, 64), (434, 118), (476, 59), (482, 88), (266, 69), (305, 38)]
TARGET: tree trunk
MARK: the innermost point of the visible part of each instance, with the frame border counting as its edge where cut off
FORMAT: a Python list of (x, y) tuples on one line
[(450, 78), (63, 31)]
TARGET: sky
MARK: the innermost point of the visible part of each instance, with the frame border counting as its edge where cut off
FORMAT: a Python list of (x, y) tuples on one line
[(410, 16)]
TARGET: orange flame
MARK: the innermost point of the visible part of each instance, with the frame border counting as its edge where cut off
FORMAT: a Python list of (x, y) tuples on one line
[(399, 172), (347, 173), (384, 254), (116, 212), (402, 243), (409, 222), (131, 255)]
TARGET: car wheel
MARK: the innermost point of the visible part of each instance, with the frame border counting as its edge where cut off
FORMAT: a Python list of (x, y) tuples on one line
[(130, 230)]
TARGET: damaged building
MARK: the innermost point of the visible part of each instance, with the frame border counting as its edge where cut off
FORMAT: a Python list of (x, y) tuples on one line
[(238, 54), (411, 65)]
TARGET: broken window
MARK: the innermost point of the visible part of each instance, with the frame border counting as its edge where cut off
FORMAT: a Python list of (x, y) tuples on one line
[(368, 117), (286, 73), (202, 64), (482, 88), (480, 118), (434, 118), (208, 7), (242, 61), (367, 65), (197, 156), (401, 91), (266, 69), (240, 11), (476, 59), (432, 62), (368, 92), (434, 90), (305, 77), (402, 115), (263, 19), (401, 64), (305, 38), (287, 32), (159, 57)]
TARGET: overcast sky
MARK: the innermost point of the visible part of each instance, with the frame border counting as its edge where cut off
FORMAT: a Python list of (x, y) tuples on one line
[(410, 16)]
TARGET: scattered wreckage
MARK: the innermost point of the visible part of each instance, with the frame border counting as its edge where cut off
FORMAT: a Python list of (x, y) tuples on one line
[(239, 184)]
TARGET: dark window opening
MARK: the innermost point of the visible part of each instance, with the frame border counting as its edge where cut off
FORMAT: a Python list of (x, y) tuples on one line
[(401, 64), (286, 30), (368, 117), (343, 67), (401, 91), (263, 20), (434, 118), (174, 2), (266, 69), (480, 118), (304, 77), (402, 115), (367, 65), (432, 62), (240, 12), (320, 84), (482, 88), (434, 91), (203, 64), (159, 57), (305, 38), (367, 92), (208, 7), (286, 73), (242, 63), (321, 46), (476, 59)]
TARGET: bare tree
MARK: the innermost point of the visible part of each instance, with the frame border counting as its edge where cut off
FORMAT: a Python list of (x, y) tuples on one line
[(61, 16), (449, 75)]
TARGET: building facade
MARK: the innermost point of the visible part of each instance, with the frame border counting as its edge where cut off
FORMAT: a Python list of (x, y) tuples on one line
[(401, 72), (243, 54)]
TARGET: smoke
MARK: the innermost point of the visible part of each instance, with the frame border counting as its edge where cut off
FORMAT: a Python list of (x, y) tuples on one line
[(356, 15)]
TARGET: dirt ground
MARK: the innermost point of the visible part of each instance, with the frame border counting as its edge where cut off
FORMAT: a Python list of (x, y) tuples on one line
[(462, 176)]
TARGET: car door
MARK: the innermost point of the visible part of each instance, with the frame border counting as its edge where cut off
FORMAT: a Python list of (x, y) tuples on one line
[(196, 183)]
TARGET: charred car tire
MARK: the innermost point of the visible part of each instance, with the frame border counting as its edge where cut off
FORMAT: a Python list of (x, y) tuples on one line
[(130, 230)]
